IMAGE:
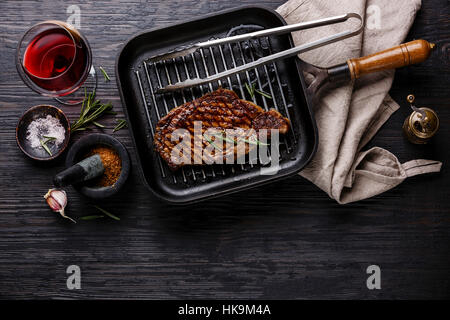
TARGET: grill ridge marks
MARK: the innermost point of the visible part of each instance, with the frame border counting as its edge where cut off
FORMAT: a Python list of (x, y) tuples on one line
[(221, 109)]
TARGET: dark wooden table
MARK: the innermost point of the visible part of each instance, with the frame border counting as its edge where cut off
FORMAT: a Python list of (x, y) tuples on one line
[(285, 240)]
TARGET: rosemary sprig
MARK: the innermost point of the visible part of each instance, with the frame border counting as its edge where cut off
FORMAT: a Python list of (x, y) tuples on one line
[(265, 94), (91, 110), (104, 74), (109, 214), (213, 144), (95, 123), (93, 217), (120, 124), (250, 89), (44, 145), (221, 137), (255, 142)]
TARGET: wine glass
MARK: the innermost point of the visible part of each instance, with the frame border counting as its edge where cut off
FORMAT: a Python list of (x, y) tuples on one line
[(54, 59)]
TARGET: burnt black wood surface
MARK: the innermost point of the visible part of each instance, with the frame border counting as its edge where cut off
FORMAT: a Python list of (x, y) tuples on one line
[(285, 240)]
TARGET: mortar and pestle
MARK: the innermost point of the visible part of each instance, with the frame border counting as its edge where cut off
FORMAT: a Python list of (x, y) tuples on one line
[(82, 169)]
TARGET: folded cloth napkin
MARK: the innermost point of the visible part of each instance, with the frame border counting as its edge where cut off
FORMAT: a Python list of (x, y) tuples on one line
[(349, 116)]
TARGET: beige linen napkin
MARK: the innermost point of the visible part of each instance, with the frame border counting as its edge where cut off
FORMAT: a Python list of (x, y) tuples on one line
[(349, 116)]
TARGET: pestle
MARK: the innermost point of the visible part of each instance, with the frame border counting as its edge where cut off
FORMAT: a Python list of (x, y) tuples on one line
[(86, 169)]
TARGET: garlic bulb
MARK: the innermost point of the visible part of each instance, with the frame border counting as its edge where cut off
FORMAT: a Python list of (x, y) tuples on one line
[(57, 201)]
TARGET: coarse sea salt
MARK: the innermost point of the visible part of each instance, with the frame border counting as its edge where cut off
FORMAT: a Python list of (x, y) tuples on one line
[(49, 127)]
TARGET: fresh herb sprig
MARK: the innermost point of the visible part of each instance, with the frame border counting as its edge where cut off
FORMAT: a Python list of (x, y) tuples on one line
[(93, 217), (255, 142), (104, 74), (120, 124), (91, 110), (109, 214), (252, 89), (43, 143), (46, 148), (265, 94), (100, 216), (99, 125), (211, 142)]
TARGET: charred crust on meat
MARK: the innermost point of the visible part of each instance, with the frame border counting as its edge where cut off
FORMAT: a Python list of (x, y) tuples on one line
[(220, 109)]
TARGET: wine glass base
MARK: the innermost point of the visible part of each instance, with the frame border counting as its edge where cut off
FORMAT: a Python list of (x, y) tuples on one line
[(77, 97)]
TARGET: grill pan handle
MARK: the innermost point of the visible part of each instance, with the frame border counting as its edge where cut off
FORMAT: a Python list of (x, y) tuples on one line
[(400, 56)]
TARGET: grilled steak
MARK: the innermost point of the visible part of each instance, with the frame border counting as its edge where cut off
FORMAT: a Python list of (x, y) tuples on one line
[(221, 110)]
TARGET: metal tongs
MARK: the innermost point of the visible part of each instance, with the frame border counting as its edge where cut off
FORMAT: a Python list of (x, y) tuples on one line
[(185, 50)]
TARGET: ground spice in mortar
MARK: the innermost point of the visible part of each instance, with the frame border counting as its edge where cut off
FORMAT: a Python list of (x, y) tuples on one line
[(112, 163)]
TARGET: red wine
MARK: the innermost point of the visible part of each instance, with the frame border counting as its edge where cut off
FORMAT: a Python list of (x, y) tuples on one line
[(54, 62)]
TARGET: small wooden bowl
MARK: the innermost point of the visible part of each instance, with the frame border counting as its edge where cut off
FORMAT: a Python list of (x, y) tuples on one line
[(80, 148), (36, 112)]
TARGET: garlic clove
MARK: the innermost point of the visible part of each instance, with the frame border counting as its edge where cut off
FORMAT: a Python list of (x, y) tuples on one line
[(57, 201)]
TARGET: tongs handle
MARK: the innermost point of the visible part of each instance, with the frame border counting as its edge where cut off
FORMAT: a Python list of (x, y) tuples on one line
[(400, 56), (273, 57), (190, 49), (276, 31)]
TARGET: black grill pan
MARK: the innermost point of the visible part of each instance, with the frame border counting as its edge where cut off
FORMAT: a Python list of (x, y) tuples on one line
[(137, 80)]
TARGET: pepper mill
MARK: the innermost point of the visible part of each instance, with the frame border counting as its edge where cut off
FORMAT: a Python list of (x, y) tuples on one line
[(421, 124)]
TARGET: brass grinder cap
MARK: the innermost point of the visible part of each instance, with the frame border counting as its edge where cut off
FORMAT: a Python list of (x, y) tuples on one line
[(424, 128)]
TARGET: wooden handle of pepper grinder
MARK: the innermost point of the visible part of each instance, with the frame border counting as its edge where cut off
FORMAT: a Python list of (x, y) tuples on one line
[(403, 55)]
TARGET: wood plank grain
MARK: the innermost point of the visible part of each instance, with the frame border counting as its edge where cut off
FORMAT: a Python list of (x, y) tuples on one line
[(284, 240)]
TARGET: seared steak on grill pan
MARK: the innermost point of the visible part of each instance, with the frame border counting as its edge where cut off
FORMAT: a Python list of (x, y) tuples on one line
[(221, 109)]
